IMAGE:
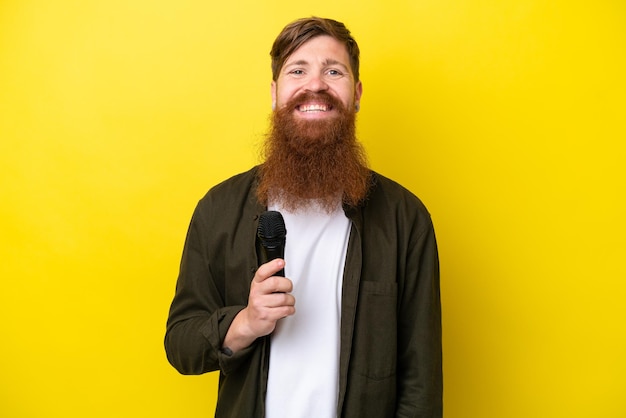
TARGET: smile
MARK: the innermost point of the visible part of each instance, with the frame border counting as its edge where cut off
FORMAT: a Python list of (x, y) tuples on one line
[(313, 108)]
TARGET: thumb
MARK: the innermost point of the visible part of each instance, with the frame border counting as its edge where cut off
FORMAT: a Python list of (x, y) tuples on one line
[(268, 269)]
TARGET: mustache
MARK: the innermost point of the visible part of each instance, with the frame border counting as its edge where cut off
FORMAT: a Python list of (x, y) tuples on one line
[(321, 96)]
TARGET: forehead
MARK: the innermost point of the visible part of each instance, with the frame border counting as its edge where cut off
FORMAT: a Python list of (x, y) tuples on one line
[(322, 48)]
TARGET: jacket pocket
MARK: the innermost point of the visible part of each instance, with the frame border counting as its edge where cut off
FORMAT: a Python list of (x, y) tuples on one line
[(375, 334)]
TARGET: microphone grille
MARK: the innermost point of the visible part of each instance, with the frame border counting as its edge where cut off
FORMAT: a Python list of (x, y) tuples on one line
[(271, 226)]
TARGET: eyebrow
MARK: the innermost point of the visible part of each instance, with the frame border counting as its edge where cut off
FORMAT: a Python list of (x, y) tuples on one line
[(327, 62)]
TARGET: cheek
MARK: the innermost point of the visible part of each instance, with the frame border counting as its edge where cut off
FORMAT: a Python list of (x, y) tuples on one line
[(282, 96), (347, 94), (348, 99)]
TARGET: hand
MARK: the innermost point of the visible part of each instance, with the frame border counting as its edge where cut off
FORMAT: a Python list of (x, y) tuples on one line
[(269, 300)]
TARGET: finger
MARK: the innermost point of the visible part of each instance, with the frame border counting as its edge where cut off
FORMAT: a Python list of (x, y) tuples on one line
[(276, 284), (279, 312), (268, 269), (278, 300)]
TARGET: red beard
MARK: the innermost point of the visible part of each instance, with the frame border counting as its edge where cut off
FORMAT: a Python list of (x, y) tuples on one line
[(313, 160)]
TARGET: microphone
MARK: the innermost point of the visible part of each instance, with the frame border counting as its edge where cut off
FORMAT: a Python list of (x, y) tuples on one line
[(271, 234)]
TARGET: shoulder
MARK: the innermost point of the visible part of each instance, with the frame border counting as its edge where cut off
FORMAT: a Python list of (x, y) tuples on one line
[(388, 194), (241, 181), (233, 189), (229, 198)]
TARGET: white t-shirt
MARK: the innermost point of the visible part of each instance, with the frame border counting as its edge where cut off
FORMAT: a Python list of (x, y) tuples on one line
[(304, 355)]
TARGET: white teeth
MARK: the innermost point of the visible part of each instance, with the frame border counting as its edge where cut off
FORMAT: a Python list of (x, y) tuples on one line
[(313, 108)]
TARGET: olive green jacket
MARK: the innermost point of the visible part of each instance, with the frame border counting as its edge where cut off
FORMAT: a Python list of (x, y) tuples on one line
[(390, 359)]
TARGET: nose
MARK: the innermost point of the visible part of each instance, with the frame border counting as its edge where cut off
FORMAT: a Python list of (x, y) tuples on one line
[(316, 84)]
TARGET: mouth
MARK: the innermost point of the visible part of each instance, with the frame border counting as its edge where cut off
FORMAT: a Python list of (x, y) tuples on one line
[(314, 108)]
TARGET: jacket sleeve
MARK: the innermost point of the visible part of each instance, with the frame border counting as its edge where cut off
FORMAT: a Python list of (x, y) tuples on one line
[(198, 318), (420, 381)]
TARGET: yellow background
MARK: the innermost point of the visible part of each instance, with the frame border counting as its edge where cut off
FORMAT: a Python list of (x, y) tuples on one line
[(505, 117)]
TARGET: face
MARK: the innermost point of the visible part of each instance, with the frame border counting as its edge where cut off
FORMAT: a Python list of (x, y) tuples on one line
[(320, 65)]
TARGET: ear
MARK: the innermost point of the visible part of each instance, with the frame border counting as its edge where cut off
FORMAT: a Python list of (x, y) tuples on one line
[(273, 92), (358, 91)]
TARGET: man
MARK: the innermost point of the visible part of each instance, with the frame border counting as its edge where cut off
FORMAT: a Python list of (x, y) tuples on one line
[(354, 329)]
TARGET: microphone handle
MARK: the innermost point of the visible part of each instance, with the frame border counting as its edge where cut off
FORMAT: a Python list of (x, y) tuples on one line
[(273, 252)]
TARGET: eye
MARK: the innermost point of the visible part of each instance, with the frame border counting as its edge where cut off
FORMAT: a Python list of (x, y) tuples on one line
[(296, 72), (334, 73)]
